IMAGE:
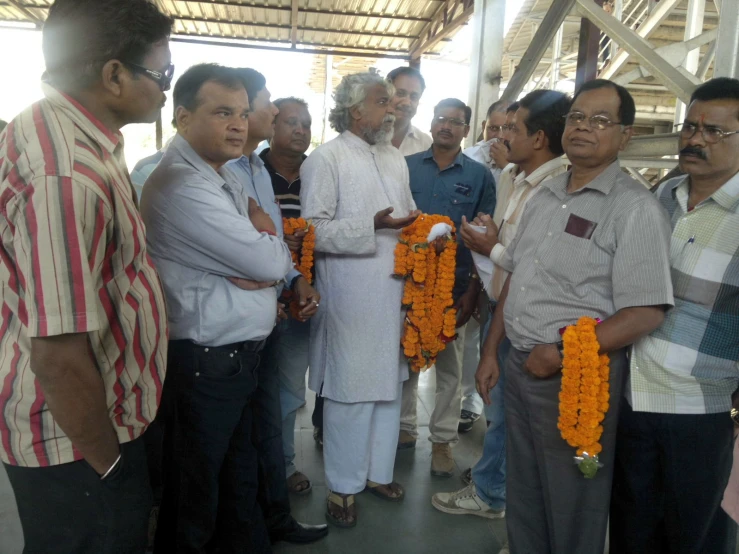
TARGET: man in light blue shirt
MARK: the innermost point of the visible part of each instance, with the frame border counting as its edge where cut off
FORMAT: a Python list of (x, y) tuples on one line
[(218, 255), (250, 172)]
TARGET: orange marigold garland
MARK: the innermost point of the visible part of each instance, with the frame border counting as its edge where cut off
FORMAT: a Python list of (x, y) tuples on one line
[(303, 260), (428, 271), (584, 396)]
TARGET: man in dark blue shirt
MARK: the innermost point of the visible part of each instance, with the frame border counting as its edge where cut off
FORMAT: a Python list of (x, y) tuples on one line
[(444, 181)]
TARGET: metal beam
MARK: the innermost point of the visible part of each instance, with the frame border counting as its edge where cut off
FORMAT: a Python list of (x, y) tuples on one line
[(289, 27), (449, 17), (337, 49), (539, 43), (656, 17), (648, 163), (677, 82), (588, 49), (556, 55), (294, 23), (21, 8), (311, 10), (727, 44), (652, 146), (706, 62), (639, 177)]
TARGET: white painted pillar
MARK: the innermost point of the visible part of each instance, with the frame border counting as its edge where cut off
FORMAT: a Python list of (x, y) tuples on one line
[(486, 60), (327, 92), (727, 44), (693, 28), (556, 55)]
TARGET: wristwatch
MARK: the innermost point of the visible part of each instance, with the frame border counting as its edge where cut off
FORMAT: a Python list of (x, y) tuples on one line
[(560, 348), (734, 414)]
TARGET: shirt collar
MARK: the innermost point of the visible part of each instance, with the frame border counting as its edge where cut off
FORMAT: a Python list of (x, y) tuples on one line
[(92, 126), (187, 153), (459, 160), (604, 182), (355, 141), (727, 196), (539, 174)]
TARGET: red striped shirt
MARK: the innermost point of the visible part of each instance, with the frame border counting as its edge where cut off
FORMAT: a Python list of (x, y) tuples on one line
[(73, 259)]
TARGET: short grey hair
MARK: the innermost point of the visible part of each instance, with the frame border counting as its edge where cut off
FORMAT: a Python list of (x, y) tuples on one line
[(351, 92)]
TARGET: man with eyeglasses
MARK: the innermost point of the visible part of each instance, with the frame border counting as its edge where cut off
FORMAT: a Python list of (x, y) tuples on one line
[(678, 418), (592, 242), (83, 314), (445, 181), (220, 259), (409, 87)]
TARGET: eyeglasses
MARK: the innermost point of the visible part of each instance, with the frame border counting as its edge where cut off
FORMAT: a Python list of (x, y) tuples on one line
[(599, 122), (164, 80), (453, 121), (711, 135)]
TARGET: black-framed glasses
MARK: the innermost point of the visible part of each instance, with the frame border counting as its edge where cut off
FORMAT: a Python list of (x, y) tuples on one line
[(164, 80), (599, 122), (453, 121), (711, 134)]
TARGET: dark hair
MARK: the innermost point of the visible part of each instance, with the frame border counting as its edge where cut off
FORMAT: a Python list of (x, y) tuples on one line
[(189, 84), (290, 100), (513, 107), (80, 36), (409, 72), (627, 109), (498, 106), (456, 104), (719, 88), (253, 81), (547, 111)]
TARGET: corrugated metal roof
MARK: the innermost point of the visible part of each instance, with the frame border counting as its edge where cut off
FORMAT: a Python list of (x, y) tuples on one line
[(380, 27)]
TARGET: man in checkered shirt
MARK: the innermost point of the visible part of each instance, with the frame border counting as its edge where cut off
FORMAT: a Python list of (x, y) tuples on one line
[(674, 444)]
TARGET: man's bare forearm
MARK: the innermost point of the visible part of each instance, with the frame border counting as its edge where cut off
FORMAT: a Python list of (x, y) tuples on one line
[(627, 326), (75, 394), (497, 327)]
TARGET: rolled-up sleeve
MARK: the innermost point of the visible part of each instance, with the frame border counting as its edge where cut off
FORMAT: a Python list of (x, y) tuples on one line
[(641, 264), (319, 197)]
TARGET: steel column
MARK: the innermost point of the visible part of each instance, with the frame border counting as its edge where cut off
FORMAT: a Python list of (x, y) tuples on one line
[(727, 44), (556, 55), (693, 28)]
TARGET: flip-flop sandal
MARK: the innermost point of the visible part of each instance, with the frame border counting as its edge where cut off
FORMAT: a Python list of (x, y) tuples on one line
[(345, 502), (294, 482), (374, 488)]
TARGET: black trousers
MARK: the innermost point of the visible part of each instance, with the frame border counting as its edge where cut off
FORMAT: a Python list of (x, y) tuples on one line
[(273, 496), (210, 464), (669, 478), (67, 509)]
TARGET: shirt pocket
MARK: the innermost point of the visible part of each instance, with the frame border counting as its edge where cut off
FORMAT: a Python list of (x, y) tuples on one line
[(569, 259), (461, 204)]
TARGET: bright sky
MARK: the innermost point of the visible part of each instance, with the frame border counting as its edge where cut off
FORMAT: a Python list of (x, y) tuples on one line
[(287, 74)]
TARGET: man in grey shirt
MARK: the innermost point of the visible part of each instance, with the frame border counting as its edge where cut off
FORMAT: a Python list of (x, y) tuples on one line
[(218, 255), (593, 242)]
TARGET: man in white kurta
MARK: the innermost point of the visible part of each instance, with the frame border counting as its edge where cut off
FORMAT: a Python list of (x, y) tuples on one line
[(356, 361)]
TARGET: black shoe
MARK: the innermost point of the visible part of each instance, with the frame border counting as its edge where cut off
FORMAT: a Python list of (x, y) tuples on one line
[(467, 420), (301, 533)]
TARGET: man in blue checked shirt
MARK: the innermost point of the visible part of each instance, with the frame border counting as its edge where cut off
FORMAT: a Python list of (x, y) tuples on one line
[(677, 420), (444, 181)]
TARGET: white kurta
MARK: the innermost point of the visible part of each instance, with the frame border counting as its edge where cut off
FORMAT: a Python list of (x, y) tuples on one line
[(355, 353)]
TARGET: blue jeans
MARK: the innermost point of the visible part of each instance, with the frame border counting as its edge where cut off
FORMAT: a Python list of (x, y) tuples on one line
[(292, 339), (490, 471)]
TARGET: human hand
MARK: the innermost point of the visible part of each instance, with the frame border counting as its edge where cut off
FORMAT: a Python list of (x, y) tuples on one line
[(308, 298), (465, 306), (499, 153), (260, 219), (481, 219), (383, 220), (486, 377), (482, 243), (544, 361), (248, 284), (281, 314), (295, 241)]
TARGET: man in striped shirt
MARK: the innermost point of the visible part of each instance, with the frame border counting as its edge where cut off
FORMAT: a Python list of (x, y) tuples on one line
[(675, 433), (591, 242), (84, 328)]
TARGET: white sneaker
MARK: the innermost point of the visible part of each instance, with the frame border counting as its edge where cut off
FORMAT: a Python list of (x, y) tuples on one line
[(465, 502)]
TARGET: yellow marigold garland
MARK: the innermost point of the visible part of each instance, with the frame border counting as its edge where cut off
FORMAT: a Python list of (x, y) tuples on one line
[(304, 259), (429, 279), (584, 395)]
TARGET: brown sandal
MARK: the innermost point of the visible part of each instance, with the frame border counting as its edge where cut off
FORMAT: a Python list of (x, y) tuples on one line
[(346, 516), (299, 484), (392, 492)]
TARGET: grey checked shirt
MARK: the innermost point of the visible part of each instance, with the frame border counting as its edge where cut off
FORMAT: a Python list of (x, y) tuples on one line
[(590, 253)]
